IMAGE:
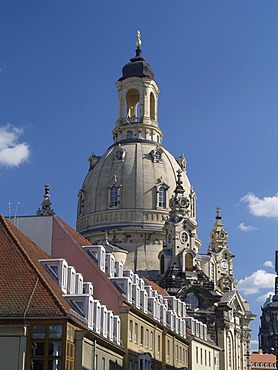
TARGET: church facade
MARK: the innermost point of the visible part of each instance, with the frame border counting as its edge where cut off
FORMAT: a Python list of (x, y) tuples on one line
[(138, 196)]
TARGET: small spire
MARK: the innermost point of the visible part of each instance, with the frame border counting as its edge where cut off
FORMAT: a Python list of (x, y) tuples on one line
[(45, 209)]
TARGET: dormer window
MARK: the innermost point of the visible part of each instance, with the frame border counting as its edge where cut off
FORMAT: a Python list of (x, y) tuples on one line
[(156, 154), (119, 154)]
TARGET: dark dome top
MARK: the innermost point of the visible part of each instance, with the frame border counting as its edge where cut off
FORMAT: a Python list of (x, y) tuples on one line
[(137, 67)]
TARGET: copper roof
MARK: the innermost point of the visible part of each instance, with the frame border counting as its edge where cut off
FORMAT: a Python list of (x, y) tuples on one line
[(27, 290)]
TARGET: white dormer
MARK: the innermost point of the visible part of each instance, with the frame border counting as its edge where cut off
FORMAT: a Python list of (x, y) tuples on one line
[(144, 301), (97, 316), (119, 268), (103, 321), (163, 311), (97, 253), (71, 280), (117, 327), (83, 305), (172, 303), (129, 273), (110, 325), (110, 264), (136, 295), (88, 288), (149, 290), (170, 319), (78, 283), (58, 269), (141, 283), (124, 285)]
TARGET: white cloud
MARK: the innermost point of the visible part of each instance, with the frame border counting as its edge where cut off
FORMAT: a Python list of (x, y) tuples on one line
[(268, 264), (12, 153), (254, 283), (263, 298), (265, 207), (246, 228)]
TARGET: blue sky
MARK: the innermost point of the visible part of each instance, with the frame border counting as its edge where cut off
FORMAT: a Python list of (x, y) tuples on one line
[(216, 63)]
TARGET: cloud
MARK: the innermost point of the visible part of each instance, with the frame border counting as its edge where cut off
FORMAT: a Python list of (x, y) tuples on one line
[(12, 153), (268, 264), (254, 283), (265, 207), (263, 298), (246, 228)]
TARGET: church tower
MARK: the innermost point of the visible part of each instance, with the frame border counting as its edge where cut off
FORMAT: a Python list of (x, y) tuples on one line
[(126, 192), (223, 258)]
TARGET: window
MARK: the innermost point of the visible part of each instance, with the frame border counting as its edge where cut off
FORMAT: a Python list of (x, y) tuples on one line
[(152, 106), (209, 360), (70, 348), (133, 105), (151, 340), (201, 353), (114, 196), (142, 336), (103, 363), (47, 346), (158, 346), (197, 355), (191, 301), (136, 333), (130, 330), (129, 135), (162, 197), (168, 350), (147, 338)]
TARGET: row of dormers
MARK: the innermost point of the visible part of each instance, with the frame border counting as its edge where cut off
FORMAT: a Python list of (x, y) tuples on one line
[(168, 310)]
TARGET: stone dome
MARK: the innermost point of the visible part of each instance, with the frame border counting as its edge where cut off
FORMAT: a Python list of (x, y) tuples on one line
[(126, 192)]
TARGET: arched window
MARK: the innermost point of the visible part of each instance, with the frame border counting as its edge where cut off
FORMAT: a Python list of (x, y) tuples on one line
[(114, 196), (133, 106), (162, 197), (188, 262), (152, 106), (191, 301), (129, 135)]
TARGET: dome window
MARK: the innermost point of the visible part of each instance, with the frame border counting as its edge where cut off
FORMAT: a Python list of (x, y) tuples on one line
[(162, 197), (156, 154), (129, 135), (114, 193), (81, 200), (161, 193), (119, 155), (114, 196)]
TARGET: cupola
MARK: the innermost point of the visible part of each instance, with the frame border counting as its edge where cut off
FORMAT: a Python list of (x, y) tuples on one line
[(137, 101)]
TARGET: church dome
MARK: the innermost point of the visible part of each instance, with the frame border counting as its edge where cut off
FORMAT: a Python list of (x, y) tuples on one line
[(126, 192), (137, 67)]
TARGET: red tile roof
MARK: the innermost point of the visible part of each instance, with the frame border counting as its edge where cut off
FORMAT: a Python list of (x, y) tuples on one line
[(263, 360), (27, 290), (156, 287), (73, 233)]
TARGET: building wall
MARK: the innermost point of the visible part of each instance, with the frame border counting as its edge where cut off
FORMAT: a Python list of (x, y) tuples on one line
[(203, 356), (13, 344)]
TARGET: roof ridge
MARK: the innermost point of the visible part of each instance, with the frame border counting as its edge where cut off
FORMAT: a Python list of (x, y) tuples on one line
[(6, 224)]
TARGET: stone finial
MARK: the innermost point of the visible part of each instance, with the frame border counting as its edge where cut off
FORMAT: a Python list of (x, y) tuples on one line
[(45, 209)]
